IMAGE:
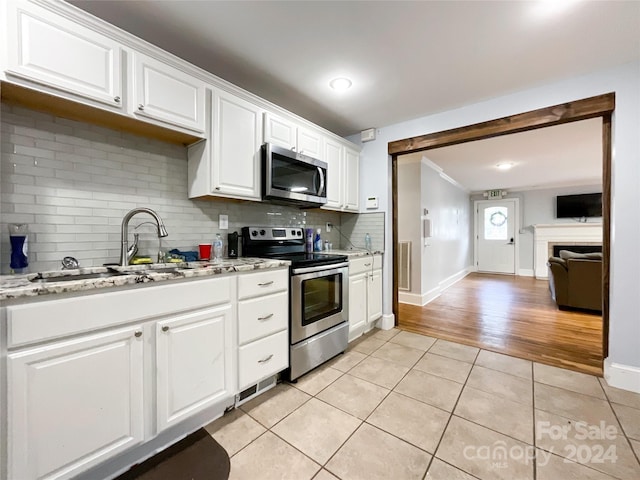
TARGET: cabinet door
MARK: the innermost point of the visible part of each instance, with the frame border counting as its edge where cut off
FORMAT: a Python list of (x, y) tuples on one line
[(357, 305), (74, 404), (352, 180), (164, 93), (279, 131), (193, 358), (333, 155), (374, 296), (310, 143), (49, 49), (236, 141)]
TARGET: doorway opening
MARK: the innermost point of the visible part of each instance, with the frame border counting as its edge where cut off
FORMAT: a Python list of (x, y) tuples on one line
[(601, 106)]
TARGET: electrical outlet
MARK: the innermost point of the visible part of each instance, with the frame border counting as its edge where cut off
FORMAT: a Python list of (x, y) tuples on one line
[(328, 227), (223, 222)]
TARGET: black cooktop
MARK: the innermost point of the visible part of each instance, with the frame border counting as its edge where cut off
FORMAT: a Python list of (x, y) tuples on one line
[(310, 259)]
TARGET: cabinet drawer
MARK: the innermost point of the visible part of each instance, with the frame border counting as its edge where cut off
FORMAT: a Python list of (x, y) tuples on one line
[(359, 265), (262, 316), (262, 283), (263, 358)]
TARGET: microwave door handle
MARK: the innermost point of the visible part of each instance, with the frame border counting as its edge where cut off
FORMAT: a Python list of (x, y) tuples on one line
[(321, 173)]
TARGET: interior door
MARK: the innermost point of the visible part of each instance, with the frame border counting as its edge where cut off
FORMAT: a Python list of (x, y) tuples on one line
[(496, 236)]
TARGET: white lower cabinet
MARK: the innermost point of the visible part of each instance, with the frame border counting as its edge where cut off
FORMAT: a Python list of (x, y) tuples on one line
[(73, 404), (193, 363), (365, 294)]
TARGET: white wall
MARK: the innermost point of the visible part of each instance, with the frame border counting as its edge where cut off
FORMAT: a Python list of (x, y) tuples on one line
[(538, 207), (624, 337)]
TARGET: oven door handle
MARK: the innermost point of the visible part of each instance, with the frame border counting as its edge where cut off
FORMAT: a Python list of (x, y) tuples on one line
[(320, 268)]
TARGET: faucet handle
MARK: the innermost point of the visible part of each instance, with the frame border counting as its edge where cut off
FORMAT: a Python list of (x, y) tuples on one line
[(69, 263)]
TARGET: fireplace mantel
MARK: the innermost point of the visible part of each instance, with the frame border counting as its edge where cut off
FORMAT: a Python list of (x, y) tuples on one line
[(543, 234)]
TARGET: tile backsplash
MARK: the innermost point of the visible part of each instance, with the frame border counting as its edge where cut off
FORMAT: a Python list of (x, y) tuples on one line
[(355, 227), (72, 182)]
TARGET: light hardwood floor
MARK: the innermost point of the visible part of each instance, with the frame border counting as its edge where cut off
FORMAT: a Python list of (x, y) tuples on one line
[(511, 315)]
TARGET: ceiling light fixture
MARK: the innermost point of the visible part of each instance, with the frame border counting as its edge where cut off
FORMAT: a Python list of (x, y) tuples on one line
[(504, 166), (340, 84)]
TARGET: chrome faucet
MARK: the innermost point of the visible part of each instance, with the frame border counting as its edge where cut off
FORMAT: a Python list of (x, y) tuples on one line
[(127, 253)]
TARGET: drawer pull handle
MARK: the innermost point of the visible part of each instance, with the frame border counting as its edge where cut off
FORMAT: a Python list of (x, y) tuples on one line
[(266, 359), (266, 317), (367, 264), (138, 333), (165, 328), (116, 99), (266, 284)]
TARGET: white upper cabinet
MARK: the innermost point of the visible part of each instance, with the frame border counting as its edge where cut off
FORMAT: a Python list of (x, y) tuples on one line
[(334, 155), (50, 50), (164, 93), (287, 134), (352, 180), (235, 143)]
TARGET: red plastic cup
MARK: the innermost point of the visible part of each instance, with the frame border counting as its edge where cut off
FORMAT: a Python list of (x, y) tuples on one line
[(205, 251)]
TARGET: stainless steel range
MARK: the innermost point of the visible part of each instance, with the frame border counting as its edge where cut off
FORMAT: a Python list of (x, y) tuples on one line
[(319, 294)]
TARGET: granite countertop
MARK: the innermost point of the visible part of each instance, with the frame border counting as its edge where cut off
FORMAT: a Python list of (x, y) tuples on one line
[(358, 252), (23, 286)]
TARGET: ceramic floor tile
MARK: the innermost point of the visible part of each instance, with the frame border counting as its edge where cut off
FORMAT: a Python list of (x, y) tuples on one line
[(444, 367), (623, 397), (453, 350), (270, 458), (354, 395), (497, 413), (347, 360), (573, 405), (385, 335), (485, 453), (399, 354), (553, 467), (368, 345), (324, 475), (317, 429), (512, 388), (381, 372), (504, 363), (275, 404), (413, 340), (635, 444), (443, 471), (371, 454), (415, 422), (630, 420), (317, 380), (562, 378), (602, 447), (436, 391), (235, 430)]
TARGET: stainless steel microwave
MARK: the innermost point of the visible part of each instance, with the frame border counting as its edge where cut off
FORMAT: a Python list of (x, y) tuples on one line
[(291, 177)]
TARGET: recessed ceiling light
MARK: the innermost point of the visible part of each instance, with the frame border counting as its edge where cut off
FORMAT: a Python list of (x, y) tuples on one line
[(504, 165), (340, 84)]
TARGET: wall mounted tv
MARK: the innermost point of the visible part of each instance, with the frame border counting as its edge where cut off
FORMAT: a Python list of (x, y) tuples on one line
[(578, 206)]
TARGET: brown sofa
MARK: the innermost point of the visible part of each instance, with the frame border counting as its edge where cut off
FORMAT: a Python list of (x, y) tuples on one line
[(575, 280)]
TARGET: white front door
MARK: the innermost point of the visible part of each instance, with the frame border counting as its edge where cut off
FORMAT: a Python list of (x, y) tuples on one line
[(496, 236)]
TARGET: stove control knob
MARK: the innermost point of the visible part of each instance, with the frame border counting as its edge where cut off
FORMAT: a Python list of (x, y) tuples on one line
[(254, 233), (262, 232), (293, 233)]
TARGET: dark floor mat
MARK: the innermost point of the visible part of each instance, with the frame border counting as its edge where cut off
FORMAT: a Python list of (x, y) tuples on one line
[(196, 457)]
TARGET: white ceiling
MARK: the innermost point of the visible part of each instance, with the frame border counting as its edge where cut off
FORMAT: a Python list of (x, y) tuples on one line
[(563, 155), (406, 59)]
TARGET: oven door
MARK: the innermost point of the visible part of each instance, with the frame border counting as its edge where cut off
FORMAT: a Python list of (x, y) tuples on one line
[(319, 296)]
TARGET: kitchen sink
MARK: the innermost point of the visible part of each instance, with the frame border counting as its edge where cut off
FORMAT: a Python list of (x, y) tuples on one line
[(77, 276)]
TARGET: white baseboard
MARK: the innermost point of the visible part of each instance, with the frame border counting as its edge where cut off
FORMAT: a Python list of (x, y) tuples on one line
[(526, 272), (621, 376), (387, 322), (472, 268), (422, 299)]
